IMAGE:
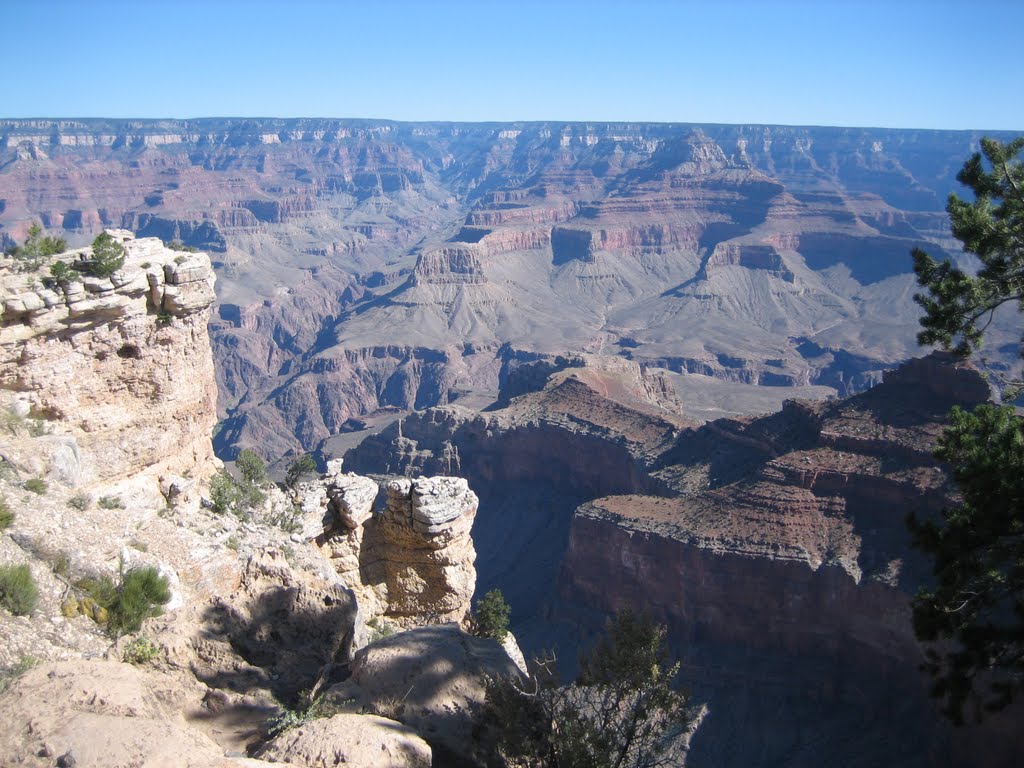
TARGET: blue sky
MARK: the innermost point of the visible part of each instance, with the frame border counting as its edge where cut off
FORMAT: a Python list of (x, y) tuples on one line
[(909, 64)]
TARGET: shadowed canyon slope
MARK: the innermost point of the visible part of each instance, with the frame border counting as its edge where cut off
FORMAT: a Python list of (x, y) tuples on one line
[(774, 548), (365, 264)]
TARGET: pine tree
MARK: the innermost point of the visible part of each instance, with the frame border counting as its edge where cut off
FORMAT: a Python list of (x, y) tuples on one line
[(974, 612)]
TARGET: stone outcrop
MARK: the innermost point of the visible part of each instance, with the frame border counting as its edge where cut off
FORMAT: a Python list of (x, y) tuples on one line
[(95, 714), (122, 364), (411, 562), (782, 563), (355, 741), (773, 547), (432, 679)]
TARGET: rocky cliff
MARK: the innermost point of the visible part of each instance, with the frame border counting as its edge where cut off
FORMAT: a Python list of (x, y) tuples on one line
[(108, 400), (409, 563), (370, 264), (774, 548), (121, 366)]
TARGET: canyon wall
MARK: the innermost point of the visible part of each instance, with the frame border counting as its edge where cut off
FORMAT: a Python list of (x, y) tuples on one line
[(373, 264), (774, 548)]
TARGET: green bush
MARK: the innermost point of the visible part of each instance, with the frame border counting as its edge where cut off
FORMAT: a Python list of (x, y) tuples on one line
[(18, 591), (80, 501), (36, 247), (36, 485), (142, 592), (224, 493), (228, 495), (139, 651), (110, 502), (107, 256), (138, 597), (251, 467), (61, 273), (304, 465), (6, 515), (492, 615)]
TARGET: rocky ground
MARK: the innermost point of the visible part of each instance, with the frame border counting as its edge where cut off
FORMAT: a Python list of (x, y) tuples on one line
[(107, 402)]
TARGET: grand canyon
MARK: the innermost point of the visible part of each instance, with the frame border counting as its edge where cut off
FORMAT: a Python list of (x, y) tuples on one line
[(598, 366)]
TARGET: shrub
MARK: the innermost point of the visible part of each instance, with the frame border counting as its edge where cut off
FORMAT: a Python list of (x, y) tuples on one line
[(18, 591), (251, 467), (36, 247), (6, 515), (110, 502), (307, 711), (141, 593), (304, 465), (107, 256), (224, 493), (379, 629), (36, 485), (61, 273), (139, 651), (492, 615), (80, 501), (177, 245), (621, 711), (126, 605)]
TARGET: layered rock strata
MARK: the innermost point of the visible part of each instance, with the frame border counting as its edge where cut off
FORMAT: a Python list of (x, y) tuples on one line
[(121, 364), (412, 562), (375, 264)]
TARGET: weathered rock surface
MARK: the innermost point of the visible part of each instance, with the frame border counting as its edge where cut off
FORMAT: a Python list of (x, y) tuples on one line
[(773, 547), (103, 715), (430, 678), (359, 741), (413, 562), (370, 264), (121, 365)]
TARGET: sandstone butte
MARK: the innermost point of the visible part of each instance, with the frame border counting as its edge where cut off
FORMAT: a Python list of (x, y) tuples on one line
[(108, 397)]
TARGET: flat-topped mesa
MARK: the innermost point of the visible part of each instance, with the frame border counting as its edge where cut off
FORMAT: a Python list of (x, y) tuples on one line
[(413, 562), (122, 363)]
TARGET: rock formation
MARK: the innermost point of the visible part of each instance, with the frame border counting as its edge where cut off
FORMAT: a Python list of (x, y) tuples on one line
[(374, 264), (774, 548), (107, 397), (355, 741), (413, 561), (120, 365), (431, 678)]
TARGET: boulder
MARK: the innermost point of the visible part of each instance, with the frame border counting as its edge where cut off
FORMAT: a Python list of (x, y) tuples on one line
[(355, 741), (430, 678)]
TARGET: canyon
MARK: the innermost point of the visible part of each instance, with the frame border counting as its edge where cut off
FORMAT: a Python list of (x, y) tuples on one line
[(366, 265), (671, 362), (774, 548)]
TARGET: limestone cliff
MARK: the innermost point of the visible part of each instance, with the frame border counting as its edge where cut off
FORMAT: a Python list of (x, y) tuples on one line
[(122, 364), (410, 563)]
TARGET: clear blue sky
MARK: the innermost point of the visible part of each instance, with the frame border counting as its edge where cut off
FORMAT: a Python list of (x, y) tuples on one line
[(913, 64)]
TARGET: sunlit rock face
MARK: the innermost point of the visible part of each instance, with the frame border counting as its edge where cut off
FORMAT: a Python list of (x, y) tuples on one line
[(372, 264), (122, 365)]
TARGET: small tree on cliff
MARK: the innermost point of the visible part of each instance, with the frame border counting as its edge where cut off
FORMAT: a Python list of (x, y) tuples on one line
[(252, 467), (622, 712), (976, 606), (302, 466), (492, 615), (107, 256)]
